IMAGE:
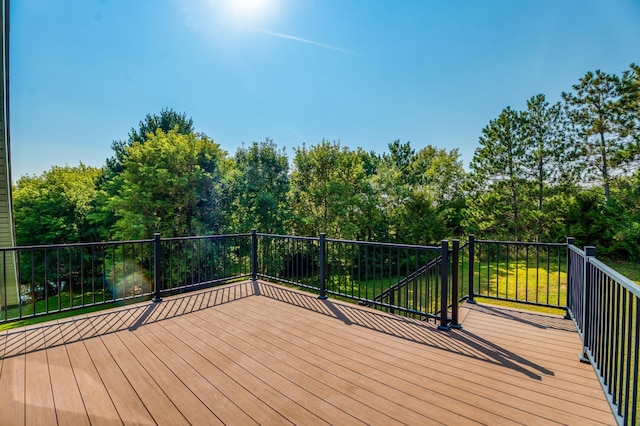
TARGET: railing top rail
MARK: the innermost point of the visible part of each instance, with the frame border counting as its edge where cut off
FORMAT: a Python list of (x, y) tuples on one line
[(618, 277), (295, 237), (69, 245), (205, 237), (522, 243), (362, 243), (394, 245), (576, 250)]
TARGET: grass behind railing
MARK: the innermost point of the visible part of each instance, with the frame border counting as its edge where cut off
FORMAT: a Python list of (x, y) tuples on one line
[(521, 282), (528, 274)]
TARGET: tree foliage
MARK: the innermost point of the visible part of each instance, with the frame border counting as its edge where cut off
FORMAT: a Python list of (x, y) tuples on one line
[(172, 184), (260, 188), (595, 110), (420, 193), (167, 120), (54, 208), (327, 185), (499, 205)]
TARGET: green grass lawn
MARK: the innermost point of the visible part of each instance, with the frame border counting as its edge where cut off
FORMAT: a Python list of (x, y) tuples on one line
[(521, 281)]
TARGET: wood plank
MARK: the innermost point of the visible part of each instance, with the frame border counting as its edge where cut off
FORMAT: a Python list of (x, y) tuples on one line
[(229, 399), (38, 393), (402, 384), (284, 378), (69, 406), (259, 384), (124, 397), (369, 401), (12, 378), (146, 389), (97, 401), (183, 399)]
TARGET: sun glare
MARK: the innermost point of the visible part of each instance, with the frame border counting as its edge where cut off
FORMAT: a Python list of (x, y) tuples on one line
[(225, 22), (249, 12)]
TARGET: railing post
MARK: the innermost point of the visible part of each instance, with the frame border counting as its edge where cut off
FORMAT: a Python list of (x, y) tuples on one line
[(472, 255), (589, 252), (254, 255), (570, 242), (157, 255), (455, 265), (444, 284), (322, 266)]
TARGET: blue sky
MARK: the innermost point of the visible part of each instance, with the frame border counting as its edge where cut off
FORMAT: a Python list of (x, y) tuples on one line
[(365, 72)]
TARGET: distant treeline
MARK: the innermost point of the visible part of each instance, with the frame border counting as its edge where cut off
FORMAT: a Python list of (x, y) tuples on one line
[(551, 171)]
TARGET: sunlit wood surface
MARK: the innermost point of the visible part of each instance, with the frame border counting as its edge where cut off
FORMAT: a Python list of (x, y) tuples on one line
[(264, 354)]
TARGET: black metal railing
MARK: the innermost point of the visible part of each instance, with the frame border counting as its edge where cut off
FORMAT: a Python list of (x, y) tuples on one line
[(392, 277), (57, 278), (202, 261), (288, 259), (523, 272), (605, 307), (370, 273)]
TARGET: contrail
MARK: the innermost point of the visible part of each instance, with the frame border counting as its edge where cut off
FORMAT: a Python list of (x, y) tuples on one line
[(300, 39)]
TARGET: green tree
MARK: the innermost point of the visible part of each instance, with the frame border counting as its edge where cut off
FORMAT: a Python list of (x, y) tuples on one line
[(498, 205), (109, 184), (630, 101), (260, 188), (167, 120), (625, 218), (53, 208), (549, 162), (327, 186), (595, 110), (172, 184), (419, 193)]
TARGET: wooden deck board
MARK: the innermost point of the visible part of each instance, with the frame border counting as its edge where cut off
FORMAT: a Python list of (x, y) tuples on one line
[(183, 399), (226, 397), (97, 401), (12, 380), (38, 399), (337, 407), (68, 402), (265, 354)]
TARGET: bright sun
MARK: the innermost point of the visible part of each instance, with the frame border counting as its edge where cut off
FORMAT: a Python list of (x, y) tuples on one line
[(249, 12)]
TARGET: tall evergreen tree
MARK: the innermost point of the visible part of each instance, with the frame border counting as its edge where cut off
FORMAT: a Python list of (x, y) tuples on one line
[(630, 88), (595, 110), (498, 205), (549, 160)]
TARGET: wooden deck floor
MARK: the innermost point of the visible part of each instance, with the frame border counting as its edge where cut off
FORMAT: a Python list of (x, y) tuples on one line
[(264, 354)]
